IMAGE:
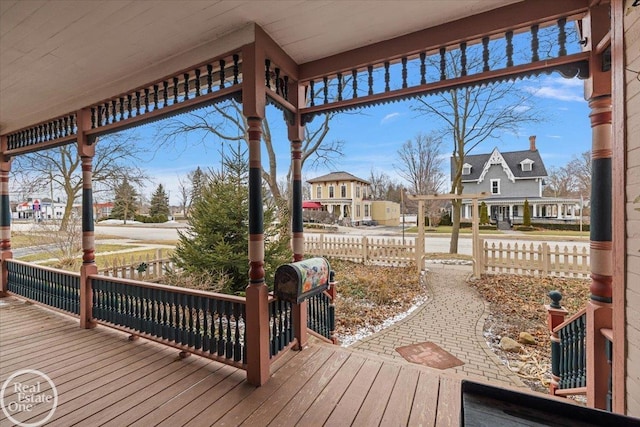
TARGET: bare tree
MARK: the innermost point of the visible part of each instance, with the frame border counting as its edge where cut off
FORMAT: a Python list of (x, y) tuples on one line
[(227, 124), (560, 182), (580, 169), (379, 183), (471, 115), (421, 164), (114, 159), (184, 193)]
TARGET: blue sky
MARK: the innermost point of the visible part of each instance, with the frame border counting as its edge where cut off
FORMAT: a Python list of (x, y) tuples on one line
[(372, 137)]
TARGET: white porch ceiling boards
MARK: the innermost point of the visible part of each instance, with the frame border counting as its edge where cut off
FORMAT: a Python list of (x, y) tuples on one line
[(59, 56)]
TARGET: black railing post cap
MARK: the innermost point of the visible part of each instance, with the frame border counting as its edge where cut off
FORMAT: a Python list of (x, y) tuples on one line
[(555, 296)]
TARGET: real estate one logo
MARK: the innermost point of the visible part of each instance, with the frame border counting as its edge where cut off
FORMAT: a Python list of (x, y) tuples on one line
[(28, 398)]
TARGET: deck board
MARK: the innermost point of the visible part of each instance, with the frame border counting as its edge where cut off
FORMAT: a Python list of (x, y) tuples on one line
[(374, 405), (102, 378)]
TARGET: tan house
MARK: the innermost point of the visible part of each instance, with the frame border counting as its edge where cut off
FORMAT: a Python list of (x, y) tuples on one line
[(385, 212), (344, 195)]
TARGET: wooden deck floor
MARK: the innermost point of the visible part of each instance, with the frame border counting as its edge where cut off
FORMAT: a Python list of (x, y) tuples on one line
[(102, 378)]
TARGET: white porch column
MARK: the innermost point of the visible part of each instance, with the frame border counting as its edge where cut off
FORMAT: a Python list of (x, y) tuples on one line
[(511, 212), (559, 210)]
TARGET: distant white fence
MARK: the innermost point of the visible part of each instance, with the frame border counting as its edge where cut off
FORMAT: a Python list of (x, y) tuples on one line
[(382, 251), (141, 268), (540, 259)]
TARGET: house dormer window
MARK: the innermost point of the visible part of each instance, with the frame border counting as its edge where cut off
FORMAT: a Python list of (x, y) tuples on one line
[(526, 165), (466, 169)]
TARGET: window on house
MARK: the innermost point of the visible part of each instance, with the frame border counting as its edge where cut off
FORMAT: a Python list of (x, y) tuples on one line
[(358, 191), (466, 169), (331, 192), (319, 192), (343, 191), (495, 186), (366, 210), (526, 165), (357, 211)]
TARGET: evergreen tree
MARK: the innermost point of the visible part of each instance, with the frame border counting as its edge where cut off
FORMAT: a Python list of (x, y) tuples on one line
[(216, 244), (159, 204), (484, 213), (125, 202), (198, 181), (526, 216)]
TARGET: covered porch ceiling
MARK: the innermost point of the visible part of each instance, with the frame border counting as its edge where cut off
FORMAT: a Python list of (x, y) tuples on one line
[(60, 56)]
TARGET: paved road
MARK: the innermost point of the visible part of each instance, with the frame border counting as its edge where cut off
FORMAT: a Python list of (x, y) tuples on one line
[(433, 243)]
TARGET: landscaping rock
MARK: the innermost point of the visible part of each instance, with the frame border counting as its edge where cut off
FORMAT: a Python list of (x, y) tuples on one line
[(508, 344), (527, 338)]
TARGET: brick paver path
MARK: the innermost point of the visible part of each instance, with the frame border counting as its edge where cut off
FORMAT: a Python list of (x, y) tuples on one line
[(453, 318)]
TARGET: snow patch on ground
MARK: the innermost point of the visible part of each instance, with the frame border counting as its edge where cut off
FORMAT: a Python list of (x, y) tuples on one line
[(118, 222), (365, 331)]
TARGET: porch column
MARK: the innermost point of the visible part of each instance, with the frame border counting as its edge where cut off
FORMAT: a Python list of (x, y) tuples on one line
[(5, 220), (559, 211), (599, 309), (296, 135), (511, 212), (86, 151), (535, 210), (257, 293)]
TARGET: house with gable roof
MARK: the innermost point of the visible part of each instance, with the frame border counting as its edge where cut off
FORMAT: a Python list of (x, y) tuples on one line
[(344, 195), (510, 178)]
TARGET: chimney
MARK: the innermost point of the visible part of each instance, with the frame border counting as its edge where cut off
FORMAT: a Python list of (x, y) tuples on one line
[(532, 143)]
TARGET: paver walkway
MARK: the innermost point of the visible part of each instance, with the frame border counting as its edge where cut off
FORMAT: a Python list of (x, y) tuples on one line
[(453, 318)]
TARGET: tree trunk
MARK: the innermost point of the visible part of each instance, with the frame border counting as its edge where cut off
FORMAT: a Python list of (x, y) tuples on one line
[(68, 208), (455, 230)]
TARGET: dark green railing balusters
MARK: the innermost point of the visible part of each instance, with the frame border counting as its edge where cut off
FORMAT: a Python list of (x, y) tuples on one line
[(570, 364), (59, 290), (237, 348), (221, 314), (229, 343), (608, 348)]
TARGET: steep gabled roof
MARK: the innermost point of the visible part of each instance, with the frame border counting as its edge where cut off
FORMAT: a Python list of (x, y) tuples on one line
[(512, 159), (337, 176)]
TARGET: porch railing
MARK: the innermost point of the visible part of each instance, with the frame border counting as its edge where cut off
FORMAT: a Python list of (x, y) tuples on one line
[(208, 324), (281, 332), (570, 356), (48, 286), (321, 316)]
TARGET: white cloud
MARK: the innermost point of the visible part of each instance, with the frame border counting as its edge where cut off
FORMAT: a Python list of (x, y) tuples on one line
[(389, 117), (559, 88)]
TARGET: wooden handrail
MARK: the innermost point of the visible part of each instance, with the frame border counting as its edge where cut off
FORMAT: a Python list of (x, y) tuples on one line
[(570, 319), (174, 289)]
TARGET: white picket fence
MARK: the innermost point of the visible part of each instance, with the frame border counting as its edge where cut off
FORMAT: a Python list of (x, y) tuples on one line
[(140, 268), (540, 259), (381, 251)]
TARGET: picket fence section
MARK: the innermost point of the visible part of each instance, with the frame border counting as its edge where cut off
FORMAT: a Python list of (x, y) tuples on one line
[(537, 259), (146, 269), (540, 259), (380, 251)]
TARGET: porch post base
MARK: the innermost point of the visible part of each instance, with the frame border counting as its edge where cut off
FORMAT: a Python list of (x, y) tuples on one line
[(86, 296), (257, 324), (4, 276), (599, 316)]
